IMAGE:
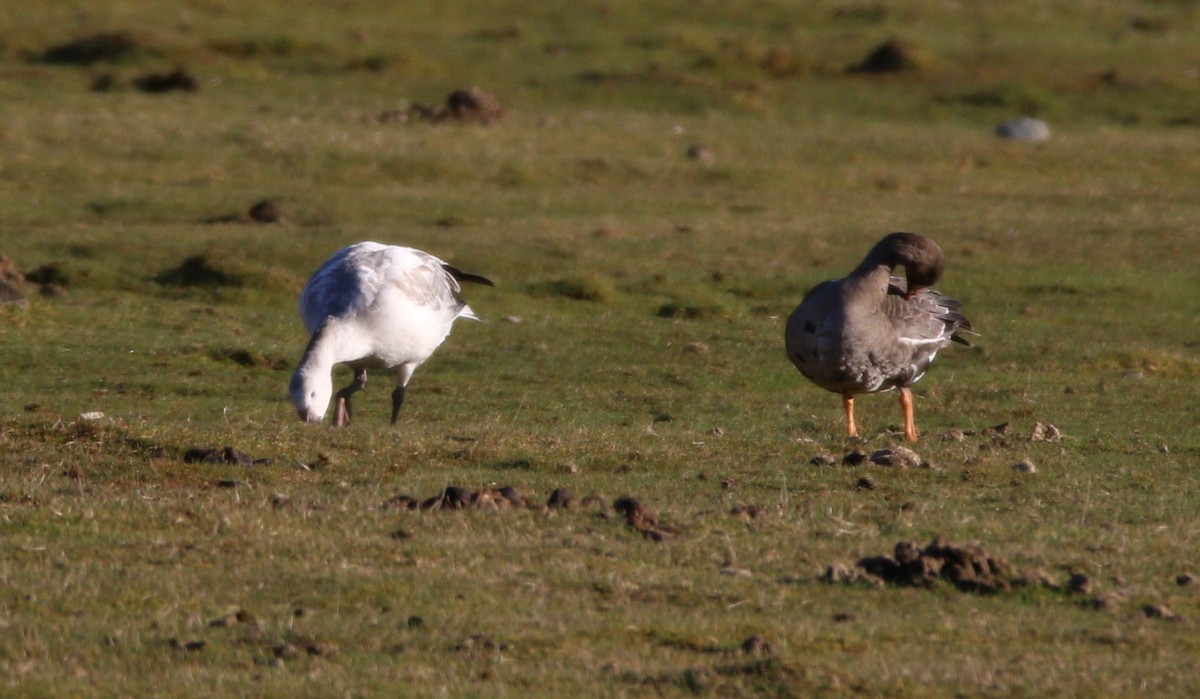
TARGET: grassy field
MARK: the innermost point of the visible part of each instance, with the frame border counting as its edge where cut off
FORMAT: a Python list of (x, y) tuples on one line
[(632, 347)]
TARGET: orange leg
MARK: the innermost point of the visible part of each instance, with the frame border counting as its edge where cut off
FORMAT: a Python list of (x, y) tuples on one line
[(910, 422), (848, 402)]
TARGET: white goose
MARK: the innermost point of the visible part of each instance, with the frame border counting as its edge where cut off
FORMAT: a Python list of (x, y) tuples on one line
[(373, 306)]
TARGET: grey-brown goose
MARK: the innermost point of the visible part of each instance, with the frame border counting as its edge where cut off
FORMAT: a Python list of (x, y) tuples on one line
[(871, 331)]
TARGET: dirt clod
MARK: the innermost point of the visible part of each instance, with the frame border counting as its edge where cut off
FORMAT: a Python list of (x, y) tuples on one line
[(106, 46), (401, 502), (464, 106), (226, 455), (1185, 579), (970, 568), (452, 498), (265, 212), (892, 56), (1079, 584), (749, 512), (641, 518), (1026, 466), (756, 645), (854, 458), (156, 83), (1159, 611), (561, 498), (864, 483)]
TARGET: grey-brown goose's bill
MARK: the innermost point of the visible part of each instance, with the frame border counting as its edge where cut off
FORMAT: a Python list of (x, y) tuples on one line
[(870, 331)]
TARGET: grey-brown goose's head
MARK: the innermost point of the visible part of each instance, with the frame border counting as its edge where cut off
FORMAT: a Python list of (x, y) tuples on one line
[(921, 258)]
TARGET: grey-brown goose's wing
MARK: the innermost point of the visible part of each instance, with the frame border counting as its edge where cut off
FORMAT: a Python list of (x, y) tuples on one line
[(924, 324)]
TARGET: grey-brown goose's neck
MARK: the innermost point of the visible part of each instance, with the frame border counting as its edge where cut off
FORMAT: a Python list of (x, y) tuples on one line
[(921, 258)]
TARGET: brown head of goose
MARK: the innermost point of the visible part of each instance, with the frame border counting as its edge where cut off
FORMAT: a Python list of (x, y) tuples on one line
[(870, 331)]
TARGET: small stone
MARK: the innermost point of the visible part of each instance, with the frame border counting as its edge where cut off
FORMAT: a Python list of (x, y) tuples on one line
[(696, 348), (896, 456), (1025, 466), (512, 320), (952, 436), (1025, 129), (1185, 579), (822, 460), (864, 483), (716, 432), (835, 573), (736, 572), (699, 152), (1045, 432)]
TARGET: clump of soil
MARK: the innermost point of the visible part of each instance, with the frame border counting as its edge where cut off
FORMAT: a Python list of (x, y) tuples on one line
[(969, 568), (176, 80), (641, 518), (216, 455), (263, 211), (892, 56), (84, 51), (199, 270), (637, 515), (465, 106)]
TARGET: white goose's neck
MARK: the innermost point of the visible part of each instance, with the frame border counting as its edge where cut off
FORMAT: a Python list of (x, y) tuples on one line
[(332, 343)]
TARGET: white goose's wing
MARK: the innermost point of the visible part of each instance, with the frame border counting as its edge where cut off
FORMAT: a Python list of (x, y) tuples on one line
[(425, 281), (346, 283)]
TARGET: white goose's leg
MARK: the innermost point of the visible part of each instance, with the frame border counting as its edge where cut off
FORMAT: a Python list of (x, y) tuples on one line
[(403, 373), (341, 410)]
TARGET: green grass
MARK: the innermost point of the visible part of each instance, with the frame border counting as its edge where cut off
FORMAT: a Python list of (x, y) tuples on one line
[(651, 291)]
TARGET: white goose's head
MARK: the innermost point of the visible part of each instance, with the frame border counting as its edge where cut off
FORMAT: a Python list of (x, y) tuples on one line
[(311, 394)]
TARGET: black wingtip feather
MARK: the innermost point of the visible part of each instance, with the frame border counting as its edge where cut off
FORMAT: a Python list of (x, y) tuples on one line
[(462, 276)]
